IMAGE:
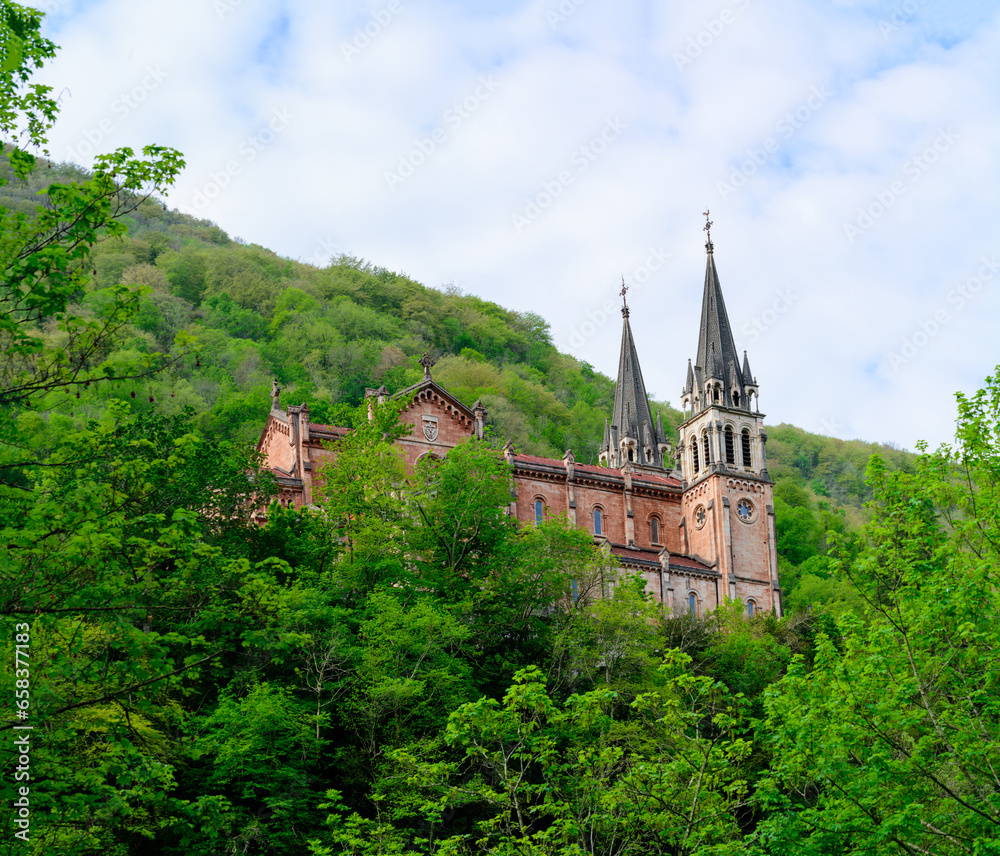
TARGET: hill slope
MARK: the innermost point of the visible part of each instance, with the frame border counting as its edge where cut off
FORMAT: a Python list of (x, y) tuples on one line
[(327, 334)]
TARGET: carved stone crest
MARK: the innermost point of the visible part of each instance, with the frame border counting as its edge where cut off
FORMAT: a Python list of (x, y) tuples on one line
[(430, 424)]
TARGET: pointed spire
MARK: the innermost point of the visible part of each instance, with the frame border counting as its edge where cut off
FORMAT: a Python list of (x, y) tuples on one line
[(689, 385), (713, 363), (716, 347), (606, 445), (631, 412), (661, 437), (747, 374), (479, 414)]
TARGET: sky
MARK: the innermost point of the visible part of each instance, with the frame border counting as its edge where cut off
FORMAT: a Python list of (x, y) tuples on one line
[(537, 153)]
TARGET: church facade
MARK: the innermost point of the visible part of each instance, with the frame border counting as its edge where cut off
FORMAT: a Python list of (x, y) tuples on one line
[(694, 517)]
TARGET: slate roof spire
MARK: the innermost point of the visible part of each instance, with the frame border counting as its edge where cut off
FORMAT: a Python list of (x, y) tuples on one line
[(747, 374), (717, 358), (632, 416), (715, 336)]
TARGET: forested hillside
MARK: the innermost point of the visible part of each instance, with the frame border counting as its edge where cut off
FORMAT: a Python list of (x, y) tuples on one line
[(401, 669), (326, 334), (246, 316)]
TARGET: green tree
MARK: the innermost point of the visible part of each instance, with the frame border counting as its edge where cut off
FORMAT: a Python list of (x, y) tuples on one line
[(43, 271), (362, 492), (547, 778), (122, 554), (890, 743), (460, 503), (48, 341)]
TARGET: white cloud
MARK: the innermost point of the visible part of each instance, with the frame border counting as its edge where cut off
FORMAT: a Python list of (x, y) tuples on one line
[(896, 79)]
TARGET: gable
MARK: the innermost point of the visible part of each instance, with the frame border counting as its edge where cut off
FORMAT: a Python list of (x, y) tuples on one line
[(439, 421)]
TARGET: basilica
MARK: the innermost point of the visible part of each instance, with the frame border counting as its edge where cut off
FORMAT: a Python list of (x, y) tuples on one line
[(693, 515)]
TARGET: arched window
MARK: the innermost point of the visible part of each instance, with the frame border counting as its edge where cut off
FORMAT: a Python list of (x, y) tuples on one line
[(730, 446), (694, 452), (693, 603), (706, 449), (715, 394), (736, 398), (746, 448), (539, 511), (598, 521), (751, 608), (654, 530)]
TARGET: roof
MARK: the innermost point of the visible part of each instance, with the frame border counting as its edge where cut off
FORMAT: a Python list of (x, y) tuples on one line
[(692, 564), (664, 480), (715, 332), (414, 390), (536, 459), (747, 374), (591, 469), (717, 356), (632, 554), (632, 416), (639, 556), (338, 430)]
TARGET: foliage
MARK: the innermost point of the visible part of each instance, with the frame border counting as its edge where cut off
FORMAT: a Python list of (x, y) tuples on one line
[(42, 259), (571, 778), (118, 555), (890, 742), (359, 492), (400, 669), (461, 502)]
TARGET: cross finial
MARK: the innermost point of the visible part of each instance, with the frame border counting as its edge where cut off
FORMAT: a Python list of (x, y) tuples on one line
[(623, 292), (708, 230), (427, 362)]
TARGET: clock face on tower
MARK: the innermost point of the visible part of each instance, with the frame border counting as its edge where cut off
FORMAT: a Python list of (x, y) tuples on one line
[(744, 510)]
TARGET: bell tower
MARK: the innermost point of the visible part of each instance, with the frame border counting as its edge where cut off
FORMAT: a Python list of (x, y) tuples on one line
[(728, 505)]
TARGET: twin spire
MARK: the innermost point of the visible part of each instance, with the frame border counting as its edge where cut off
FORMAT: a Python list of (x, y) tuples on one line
[(717, 378), (631, 437)]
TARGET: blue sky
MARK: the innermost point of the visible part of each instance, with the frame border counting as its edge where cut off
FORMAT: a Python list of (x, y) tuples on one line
[(533, 153)]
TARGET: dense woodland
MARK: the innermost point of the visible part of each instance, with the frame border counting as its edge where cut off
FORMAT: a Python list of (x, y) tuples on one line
[(401, 670)]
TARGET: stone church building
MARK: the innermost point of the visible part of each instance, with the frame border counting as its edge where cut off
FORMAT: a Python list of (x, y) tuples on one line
[(694, 518)]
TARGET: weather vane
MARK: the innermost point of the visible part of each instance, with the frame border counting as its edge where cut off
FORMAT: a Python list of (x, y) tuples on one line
[(708, 228), (623, 292)]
